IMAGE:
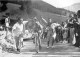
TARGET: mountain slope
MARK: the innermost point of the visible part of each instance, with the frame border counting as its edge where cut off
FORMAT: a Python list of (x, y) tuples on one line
[(40, 5), (45, 7), (74, 7), (39, 8), (54, 17)]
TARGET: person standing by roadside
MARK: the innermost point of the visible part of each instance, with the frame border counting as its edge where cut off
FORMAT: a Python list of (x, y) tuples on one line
[(49, 34), (77, 30), (7, 21), (71, 29)]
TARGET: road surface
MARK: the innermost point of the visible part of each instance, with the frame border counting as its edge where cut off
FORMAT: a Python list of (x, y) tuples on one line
[(59, 50)]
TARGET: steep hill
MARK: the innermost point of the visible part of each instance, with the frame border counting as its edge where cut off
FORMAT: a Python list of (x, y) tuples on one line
[(74, 7), (45, 7), (40, 5), (39, 8)]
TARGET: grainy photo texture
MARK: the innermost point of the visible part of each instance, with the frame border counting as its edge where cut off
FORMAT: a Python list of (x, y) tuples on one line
[(39, 28)]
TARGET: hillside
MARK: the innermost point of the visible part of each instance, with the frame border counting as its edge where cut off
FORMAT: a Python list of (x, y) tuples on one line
[(14, 10), (74, 7), (45, 15), (45, 7), (54, 17), (40, 5)]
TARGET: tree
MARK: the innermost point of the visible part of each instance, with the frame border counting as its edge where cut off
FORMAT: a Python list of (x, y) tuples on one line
[(3, 7), (25, 4)]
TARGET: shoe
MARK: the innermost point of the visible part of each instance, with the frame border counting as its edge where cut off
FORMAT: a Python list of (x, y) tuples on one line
[(37, 51), (48, 47), (18, 50), (52, 46)]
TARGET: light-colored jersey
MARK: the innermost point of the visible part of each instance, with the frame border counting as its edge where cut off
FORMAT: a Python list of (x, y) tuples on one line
[(7, 22), (17, 29), (39, 24), (79, 21), (53, 25)]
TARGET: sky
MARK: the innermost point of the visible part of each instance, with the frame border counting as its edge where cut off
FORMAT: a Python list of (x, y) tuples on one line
[(62, 3)]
